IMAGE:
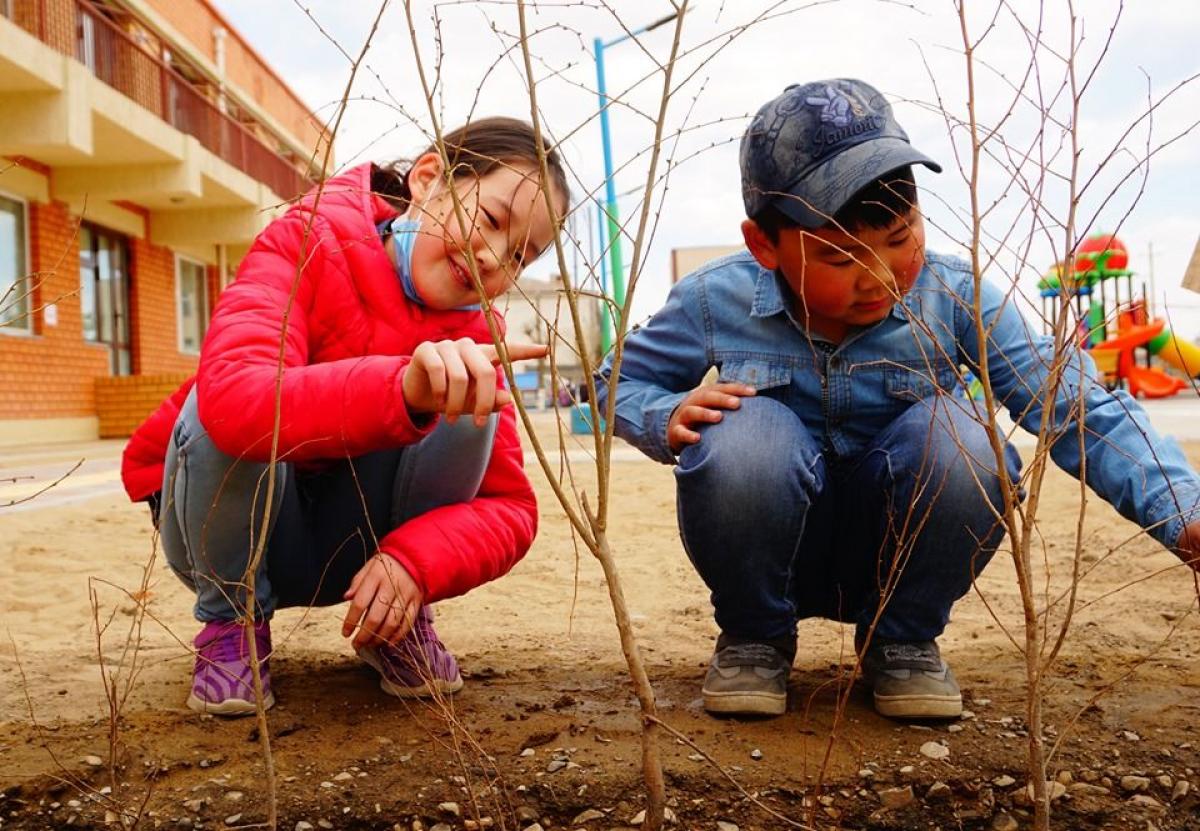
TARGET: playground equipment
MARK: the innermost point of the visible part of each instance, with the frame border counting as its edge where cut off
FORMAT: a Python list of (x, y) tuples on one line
[(1101, 262)]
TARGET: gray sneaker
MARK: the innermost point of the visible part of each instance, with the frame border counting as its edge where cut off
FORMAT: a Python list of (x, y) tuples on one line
[(911, 680), (748, 679)]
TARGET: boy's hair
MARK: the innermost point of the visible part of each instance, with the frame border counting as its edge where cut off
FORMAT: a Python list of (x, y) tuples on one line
[(877, 205), (475, 149)]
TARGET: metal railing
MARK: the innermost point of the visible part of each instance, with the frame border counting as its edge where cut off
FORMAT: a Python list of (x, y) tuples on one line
[(78, 28)]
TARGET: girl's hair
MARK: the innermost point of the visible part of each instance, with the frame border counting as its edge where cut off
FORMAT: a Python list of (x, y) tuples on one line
[(475, 149), (877, 206)]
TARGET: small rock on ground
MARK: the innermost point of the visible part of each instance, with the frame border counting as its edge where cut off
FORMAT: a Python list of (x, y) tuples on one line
[(938, 792), (935, 750), (1135, 784), (1004, 822), (587, 816), (896, 798)]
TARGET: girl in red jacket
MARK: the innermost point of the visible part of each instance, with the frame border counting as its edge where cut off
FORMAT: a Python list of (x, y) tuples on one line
[(385, 497)]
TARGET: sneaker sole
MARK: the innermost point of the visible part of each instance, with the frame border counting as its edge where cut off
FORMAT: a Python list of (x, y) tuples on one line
[(745, 704), (230, 706), (919, 706), (424, 691)]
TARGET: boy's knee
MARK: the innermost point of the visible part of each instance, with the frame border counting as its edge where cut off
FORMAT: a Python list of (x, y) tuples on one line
[(957, 449), (762, 442)]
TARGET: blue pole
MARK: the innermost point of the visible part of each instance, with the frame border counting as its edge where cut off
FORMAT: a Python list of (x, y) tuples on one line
[(605, 329), (616, 266), (610, 198)]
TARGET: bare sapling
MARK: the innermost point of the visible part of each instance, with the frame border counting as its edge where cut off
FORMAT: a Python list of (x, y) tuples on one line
[(1060, 198), (270, 486), (586, 512)]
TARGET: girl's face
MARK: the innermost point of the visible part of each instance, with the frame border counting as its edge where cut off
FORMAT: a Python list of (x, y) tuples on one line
[(507, 226)]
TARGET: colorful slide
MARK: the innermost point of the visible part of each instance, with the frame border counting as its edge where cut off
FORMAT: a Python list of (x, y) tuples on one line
[(1178, 353), (1141, 380), (1152, 383)]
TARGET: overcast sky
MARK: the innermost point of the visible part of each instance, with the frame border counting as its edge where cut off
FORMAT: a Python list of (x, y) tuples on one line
[(912, 51)]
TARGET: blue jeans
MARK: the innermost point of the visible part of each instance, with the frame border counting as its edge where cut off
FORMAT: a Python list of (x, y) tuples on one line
[(779, 530), (324, 524)]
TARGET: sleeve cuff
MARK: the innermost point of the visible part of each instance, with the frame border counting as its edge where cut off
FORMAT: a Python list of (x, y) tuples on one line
[(1171, 512), (414, 426), (656, 427)]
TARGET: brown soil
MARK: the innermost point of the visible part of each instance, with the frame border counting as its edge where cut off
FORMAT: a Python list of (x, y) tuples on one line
[(545, 676)]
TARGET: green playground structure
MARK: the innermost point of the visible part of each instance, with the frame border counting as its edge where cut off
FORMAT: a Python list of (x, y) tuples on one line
[(1114, 332)]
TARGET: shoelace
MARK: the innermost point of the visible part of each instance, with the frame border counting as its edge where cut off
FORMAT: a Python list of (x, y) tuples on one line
[(911, 652), (749, 655)]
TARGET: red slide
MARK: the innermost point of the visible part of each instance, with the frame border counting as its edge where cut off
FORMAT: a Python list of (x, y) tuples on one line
[(1152, 383)]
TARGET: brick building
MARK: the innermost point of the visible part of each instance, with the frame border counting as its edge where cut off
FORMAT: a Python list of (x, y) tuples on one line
[(143, 146)]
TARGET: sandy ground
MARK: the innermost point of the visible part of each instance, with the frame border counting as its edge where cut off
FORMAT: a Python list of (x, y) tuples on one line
[(546, 727)]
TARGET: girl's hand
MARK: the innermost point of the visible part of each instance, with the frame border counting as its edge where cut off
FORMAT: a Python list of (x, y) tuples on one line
[(384, 602), (703, 405), (457, 376)]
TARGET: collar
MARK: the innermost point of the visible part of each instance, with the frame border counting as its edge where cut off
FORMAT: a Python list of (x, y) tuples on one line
[(769, 296)]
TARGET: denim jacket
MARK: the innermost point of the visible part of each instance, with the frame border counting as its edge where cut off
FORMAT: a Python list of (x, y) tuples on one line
[(735, 315)]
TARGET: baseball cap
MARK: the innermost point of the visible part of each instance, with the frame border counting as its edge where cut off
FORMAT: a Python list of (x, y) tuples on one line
[(809, 150)]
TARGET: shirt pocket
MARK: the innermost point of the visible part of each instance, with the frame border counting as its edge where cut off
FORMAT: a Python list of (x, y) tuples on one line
[(762, 375), (915, 381)]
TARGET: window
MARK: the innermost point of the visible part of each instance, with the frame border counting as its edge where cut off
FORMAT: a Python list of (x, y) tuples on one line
[(192, 296), (104, 293), (14, 283)]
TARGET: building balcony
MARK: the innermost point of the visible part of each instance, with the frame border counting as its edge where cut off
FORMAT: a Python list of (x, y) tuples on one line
[(86, 93)]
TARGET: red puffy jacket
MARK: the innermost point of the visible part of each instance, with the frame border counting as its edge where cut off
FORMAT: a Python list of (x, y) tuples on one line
[(350, 334)]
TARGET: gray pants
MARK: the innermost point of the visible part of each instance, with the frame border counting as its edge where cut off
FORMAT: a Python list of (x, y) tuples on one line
[(324, 524)]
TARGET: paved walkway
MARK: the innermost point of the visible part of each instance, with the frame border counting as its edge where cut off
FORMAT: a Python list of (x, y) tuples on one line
[(34, 477)]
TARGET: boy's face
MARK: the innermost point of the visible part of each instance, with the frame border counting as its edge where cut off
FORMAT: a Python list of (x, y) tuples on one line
[(842, 280)]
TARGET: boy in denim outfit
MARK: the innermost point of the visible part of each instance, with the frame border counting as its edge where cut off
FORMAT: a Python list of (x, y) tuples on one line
[(836, 470)]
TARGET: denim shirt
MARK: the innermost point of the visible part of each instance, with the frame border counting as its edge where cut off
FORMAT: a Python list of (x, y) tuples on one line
[(735, 315)]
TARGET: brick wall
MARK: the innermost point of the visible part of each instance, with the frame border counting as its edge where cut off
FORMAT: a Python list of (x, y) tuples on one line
[(49, 374), (53, 372), (153, 314), (124, 403)]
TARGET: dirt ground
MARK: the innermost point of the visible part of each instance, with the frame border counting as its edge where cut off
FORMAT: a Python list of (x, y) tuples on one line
[(546, 730)]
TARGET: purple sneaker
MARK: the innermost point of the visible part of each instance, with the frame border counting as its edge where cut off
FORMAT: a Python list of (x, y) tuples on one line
[(419, 666), (222, 681)]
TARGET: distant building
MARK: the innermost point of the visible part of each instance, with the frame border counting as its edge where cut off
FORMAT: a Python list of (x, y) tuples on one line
[(686, 260), (1191, 276), (144, 145), (536, 311)]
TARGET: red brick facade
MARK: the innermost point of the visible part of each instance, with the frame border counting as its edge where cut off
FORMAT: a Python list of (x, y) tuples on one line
[(153, 314), (123, 403), (48, 373), (52, 372), (247, 122)]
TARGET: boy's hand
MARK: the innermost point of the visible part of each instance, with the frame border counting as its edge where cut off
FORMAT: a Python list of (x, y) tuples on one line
[(1187, 547), (457, 376), (384, 602), (703, 405)]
